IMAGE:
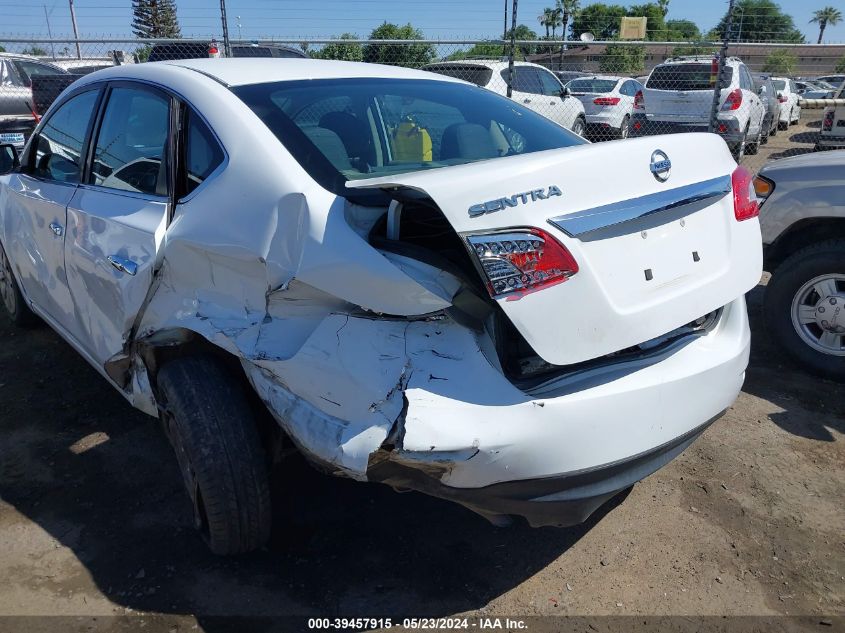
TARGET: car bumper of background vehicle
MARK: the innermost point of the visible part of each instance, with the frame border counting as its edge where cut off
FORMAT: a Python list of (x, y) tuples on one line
[(728, 128), (605, 120), (557, 457), (831, 142)]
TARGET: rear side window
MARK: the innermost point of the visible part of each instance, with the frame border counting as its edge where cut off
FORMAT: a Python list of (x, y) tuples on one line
[(202, 152), (686, 77), (58, 150), (779, 84), (131, 144), (478, 75), (592, 85)]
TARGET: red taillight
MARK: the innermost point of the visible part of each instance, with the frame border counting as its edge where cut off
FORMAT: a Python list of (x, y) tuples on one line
[(639, 101), (607, 101), (637, 125), (521, 261), (734, 100), (746, 205), (782, 98), (827, 122)]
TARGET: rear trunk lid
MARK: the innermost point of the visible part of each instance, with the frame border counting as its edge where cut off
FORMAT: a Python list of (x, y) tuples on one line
[(681, 93), (652, 255)]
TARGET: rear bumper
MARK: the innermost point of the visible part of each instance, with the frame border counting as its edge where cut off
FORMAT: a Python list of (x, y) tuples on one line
[(554, 458), (605, 119), (729, 128), (830, 141)]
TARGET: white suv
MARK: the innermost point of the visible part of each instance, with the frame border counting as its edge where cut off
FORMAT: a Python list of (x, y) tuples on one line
[(790, 106), (678, 97), (534, 86)]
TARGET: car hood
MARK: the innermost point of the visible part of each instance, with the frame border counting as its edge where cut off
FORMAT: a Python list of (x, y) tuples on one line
[(814, 160)]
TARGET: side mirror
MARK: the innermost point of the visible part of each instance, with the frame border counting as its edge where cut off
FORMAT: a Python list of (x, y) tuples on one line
[(761, 90), (566, 92), (9, 160)]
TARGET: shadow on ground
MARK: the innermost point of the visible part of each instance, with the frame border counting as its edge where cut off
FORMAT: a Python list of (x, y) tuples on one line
[(811, 406), (99, 478)]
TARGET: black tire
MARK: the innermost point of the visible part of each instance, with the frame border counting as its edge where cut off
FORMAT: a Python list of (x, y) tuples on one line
[(798, 269), (767, 130), (624, 129), (738, 150), (11, 297), (210, 425), (774, 129), (752, 148), (783, 125)]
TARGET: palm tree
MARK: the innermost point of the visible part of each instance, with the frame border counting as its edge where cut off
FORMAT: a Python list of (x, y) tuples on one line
[(664, 6), (828, 15), (556, 20), (546, 19), (567, 8)]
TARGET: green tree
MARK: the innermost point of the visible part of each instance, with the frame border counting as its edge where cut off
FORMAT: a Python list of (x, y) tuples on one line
[(823, 17), (780, 62), (840, 65), (682, 30), (759, 21), (344, 51), (522, 32), (477, 50), (545, 19), (602, 20), (567, 10), (622, 58), (413, 55), (694, 49), (154, 19), (35, 51), (664, 6)]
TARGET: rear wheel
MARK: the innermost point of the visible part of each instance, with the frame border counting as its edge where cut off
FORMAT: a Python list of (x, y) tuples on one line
[(782, 125), (623, 129), (738, 150), (11, 297), (764, 134), (579, 126), (753, 148), (212, 429), (792, 119), (804, 307)]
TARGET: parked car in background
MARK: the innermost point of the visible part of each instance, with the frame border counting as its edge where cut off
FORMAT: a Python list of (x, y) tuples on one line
[(608, 103), (18, 113), (832, 132), (834, 80), (409, 279), (534, 86), (802, 217), (678, 97), (769, 96), (816, 85), (212, 49), (790, 106)]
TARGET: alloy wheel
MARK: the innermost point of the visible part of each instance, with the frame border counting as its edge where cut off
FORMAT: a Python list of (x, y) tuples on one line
[(818, 314)]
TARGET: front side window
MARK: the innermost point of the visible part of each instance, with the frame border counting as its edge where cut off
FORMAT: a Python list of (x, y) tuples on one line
[(57, 151), (551, 86), (202, 152), (132, 141), (349, 129)]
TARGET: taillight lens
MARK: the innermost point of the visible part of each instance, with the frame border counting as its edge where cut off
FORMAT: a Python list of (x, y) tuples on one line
[(734, 100), (639, 101), (746, 205), (521, 261), (606, 101), (827, 122), (782, 98)]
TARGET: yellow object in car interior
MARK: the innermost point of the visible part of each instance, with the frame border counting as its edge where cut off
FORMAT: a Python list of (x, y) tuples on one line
[(411, 143)]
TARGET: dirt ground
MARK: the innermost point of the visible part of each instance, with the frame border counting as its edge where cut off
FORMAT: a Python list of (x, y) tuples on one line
[(93, 522)]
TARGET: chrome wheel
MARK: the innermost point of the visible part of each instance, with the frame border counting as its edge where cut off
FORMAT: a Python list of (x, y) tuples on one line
[(7, 284), (578, 127), (818, 314)]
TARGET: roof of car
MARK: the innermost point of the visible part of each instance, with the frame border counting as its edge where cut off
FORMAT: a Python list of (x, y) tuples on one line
[(495, 64), (607, 77), (243, 71)]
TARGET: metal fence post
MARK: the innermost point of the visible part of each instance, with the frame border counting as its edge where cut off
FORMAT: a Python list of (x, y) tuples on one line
[(723, 57), (227, 48), (513, 50)]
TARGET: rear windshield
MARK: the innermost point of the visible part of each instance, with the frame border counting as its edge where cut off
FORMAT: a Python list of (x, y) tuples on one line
[(779, 84), (349, 129), (578, 86), (686, 77), (478, 75)]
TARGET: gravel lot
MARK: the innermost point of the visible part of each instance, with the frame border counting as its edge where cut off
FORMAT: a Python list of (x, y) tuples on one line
[(93, 522)]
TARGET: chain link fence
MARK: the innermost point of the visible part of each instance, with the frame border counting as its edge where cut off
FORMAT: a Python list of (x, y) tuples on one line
[(765, 100)]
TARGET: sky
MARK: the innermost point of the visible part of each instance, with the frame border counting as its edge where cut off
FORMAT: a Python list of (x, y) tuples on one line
[(442, 19)]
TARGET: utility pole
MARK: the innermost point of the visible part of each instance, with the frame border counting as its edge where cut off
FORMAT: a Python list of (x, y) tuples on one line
[(227, 47), (75, 30), (505, 30), (240, 37), (513, 50), (49, 32)]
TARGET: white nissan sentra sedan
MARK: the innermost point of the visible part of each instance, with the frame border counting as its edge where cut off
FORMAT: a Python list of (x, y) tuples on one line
[(423, 283)]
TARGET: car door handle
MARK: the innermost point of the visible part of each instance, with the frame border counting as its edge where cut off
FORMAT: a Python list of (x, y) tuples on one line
[(526, 101), (123, 265), (58, 229)]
